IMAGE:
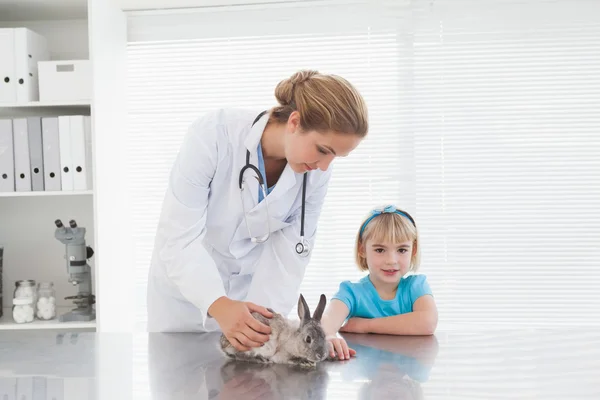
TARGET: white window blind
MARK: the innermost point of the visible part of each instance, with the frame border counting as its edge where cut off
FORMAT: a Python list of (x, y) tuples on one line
[(505, 100), (484, 125), (182, 65)]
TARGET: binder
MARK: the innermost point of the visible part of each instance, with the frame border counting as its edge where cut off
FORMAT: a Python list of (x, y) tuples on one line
[(21, 154), (51, 154), (66, 162), (39, 388), (7, 161), (24, 388), (88, 152), (8, 87), (20, 51), (78, 152), (54, 389), (8, 388), (34, 129), (29, 49)]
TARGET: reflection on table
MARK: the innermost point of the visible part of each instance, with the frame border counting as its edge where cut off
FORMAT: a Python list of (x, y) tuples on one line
[(183, 365)]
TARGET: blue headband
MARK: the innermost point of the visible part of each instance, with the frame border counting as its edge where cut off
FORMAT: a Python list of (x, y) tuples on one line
[(386, 210)]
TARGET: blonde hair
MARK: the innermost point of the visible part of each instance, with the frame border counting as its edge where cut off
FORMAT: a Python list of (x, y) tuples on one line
[(388, 227), (324, 102)]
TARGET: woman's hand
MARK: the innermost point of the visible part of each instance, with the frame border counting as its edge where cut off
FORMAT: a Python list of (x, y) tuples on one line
[(237, 324), (340, 346), (356, 325)]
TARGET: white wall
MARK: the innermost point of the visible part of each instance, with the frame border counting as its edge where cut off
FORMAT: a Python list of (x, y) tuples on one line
[(114, 287)]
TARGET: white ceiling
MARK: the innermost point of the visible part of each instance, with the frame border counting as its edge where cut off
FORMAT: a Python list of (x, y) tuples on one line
[(34, 10)]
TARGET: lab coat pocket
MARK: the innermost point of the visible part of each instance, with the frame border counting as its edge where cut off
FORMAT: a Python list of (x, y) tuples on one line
[(278, 275), (277, 225)]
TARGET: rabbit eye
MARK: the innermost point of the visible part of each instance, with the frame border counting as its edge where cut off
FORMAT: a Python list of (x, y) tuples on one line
[(308, 339)]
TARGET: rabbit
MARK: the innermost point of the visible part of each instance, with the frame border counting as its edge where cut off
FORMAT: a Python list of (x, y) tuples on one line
[(301, 343)]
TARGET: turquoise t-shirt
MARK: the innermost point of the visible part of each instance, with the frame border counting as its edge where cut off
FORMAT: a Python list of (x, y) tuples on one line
[(261, 168), (363, 301)]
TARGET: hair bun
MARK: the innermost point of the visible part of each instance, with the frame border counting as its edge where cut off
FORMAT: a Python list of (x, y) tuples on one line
[(302, 76), (324, 103), (284, 92)]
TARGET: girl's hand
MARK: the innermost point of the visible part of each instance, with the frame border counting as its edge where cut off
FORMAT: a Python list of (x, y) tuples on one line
[(338, 345), (356, 325)]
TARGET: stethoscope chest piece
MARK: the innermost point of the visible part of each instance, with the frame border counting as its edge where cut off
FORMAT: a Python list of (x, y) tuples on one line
[(302, 248)]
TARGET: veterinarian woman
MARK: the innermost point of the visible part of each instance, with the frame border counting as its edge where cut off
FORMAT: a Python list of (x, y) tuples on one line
[(222, 250)]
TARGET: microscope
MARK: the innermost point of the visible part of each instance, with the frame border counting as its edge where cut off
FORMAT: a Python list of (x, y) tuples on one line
[(80, 273)]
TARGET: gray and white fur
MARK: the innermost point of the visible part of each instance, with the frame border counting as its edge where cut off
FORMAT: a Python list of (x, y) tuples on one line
[(300, 343)]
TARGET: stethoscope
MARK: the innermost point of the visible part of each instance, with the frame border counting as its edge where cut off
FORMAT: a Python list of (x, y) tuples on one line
[(302, 247)]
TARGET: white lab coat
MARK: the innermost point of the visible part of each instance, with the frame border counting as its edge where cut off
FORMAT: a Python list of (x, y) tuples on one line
[(202, 248)]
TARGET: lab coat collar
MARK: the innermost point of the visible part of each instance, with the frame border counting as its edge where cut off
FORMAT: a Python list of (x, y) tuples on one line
[(288, 178), (256, 132)]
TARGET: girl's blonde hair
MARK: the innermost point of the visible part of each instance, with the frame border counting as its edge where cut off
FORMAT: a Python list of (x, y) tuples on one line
[(324, 102), (388, 227)]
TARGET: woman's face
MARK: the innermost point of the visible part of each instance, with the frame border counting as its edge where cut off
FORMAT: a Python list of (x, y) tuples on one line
[(306, 151)]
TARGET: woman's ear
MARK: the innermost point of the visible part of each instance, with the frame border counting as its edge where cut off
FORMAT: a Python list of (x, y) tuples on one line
[(293, 123)]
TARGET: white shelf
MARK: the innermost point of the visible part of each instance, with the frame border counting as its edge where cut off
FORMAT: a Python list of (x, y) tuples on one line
[(7, 323), (34, 104), (44, 194)]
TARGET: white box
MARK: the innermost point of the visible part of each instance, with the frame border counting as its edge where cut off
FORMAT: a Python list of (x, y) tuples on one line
[(65, 81)]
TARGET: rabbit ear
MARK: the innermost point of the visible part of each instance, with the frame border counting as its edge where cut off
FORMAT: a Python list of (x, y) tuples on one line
[(303, 311), (320, 308)]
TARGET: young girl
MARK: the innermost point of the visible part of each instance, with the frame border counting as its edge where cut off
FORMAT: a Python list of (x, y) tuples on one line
[(385, 301)]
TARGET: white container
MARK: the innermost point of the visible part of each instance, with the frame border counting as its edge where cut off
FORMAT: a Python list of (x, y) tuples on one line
[(46, 301), (65, 81), (24, 299)]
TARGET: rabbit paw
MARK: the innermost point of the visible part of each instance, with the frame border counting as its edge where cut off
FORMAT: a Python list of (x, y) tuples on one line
[(303, 362), (307, 364)]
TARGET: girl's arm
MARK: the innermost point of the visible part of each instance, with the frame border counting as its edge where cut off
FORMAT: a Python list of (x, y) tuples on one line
[(421, 321), (334, 316)]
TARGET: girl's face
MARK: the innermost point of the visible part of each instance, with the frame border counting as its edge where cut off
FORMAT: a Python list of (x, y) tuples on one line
[(388, 262), (306, 151)]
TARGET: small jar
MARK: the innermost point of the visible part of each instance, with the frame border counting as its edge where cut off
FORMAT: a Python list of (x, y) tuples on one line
[(24, 298), (46, 301)]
